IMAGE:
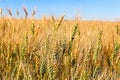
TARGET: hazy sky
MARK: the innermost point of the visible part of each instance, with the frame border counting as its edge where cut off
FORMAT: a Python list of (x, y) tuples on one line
[(87, 9)]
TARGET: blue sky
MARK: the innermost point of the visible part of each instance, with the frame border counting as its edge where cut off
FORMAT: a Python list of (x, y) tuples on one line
[(87, 9)]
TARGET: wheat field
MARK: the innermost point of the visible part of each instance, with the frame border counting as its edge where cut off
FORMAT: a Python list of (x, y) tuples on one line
[(57, 49)]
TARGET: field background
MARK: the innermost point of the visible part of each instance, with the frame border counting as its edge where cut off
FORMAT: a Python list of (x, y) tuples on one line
[(57, 49)]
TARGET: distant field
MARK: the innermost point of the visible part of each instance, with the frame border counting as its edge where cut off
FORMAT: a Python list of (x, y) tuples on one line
[(58, 49)]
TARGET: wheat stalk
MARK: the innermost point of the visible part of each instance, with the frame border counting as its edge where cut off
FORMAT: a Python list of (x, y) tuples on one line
[(0, 11), (33, 12), (59, 23), (10, 12), (25, 11), (17, 12)]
